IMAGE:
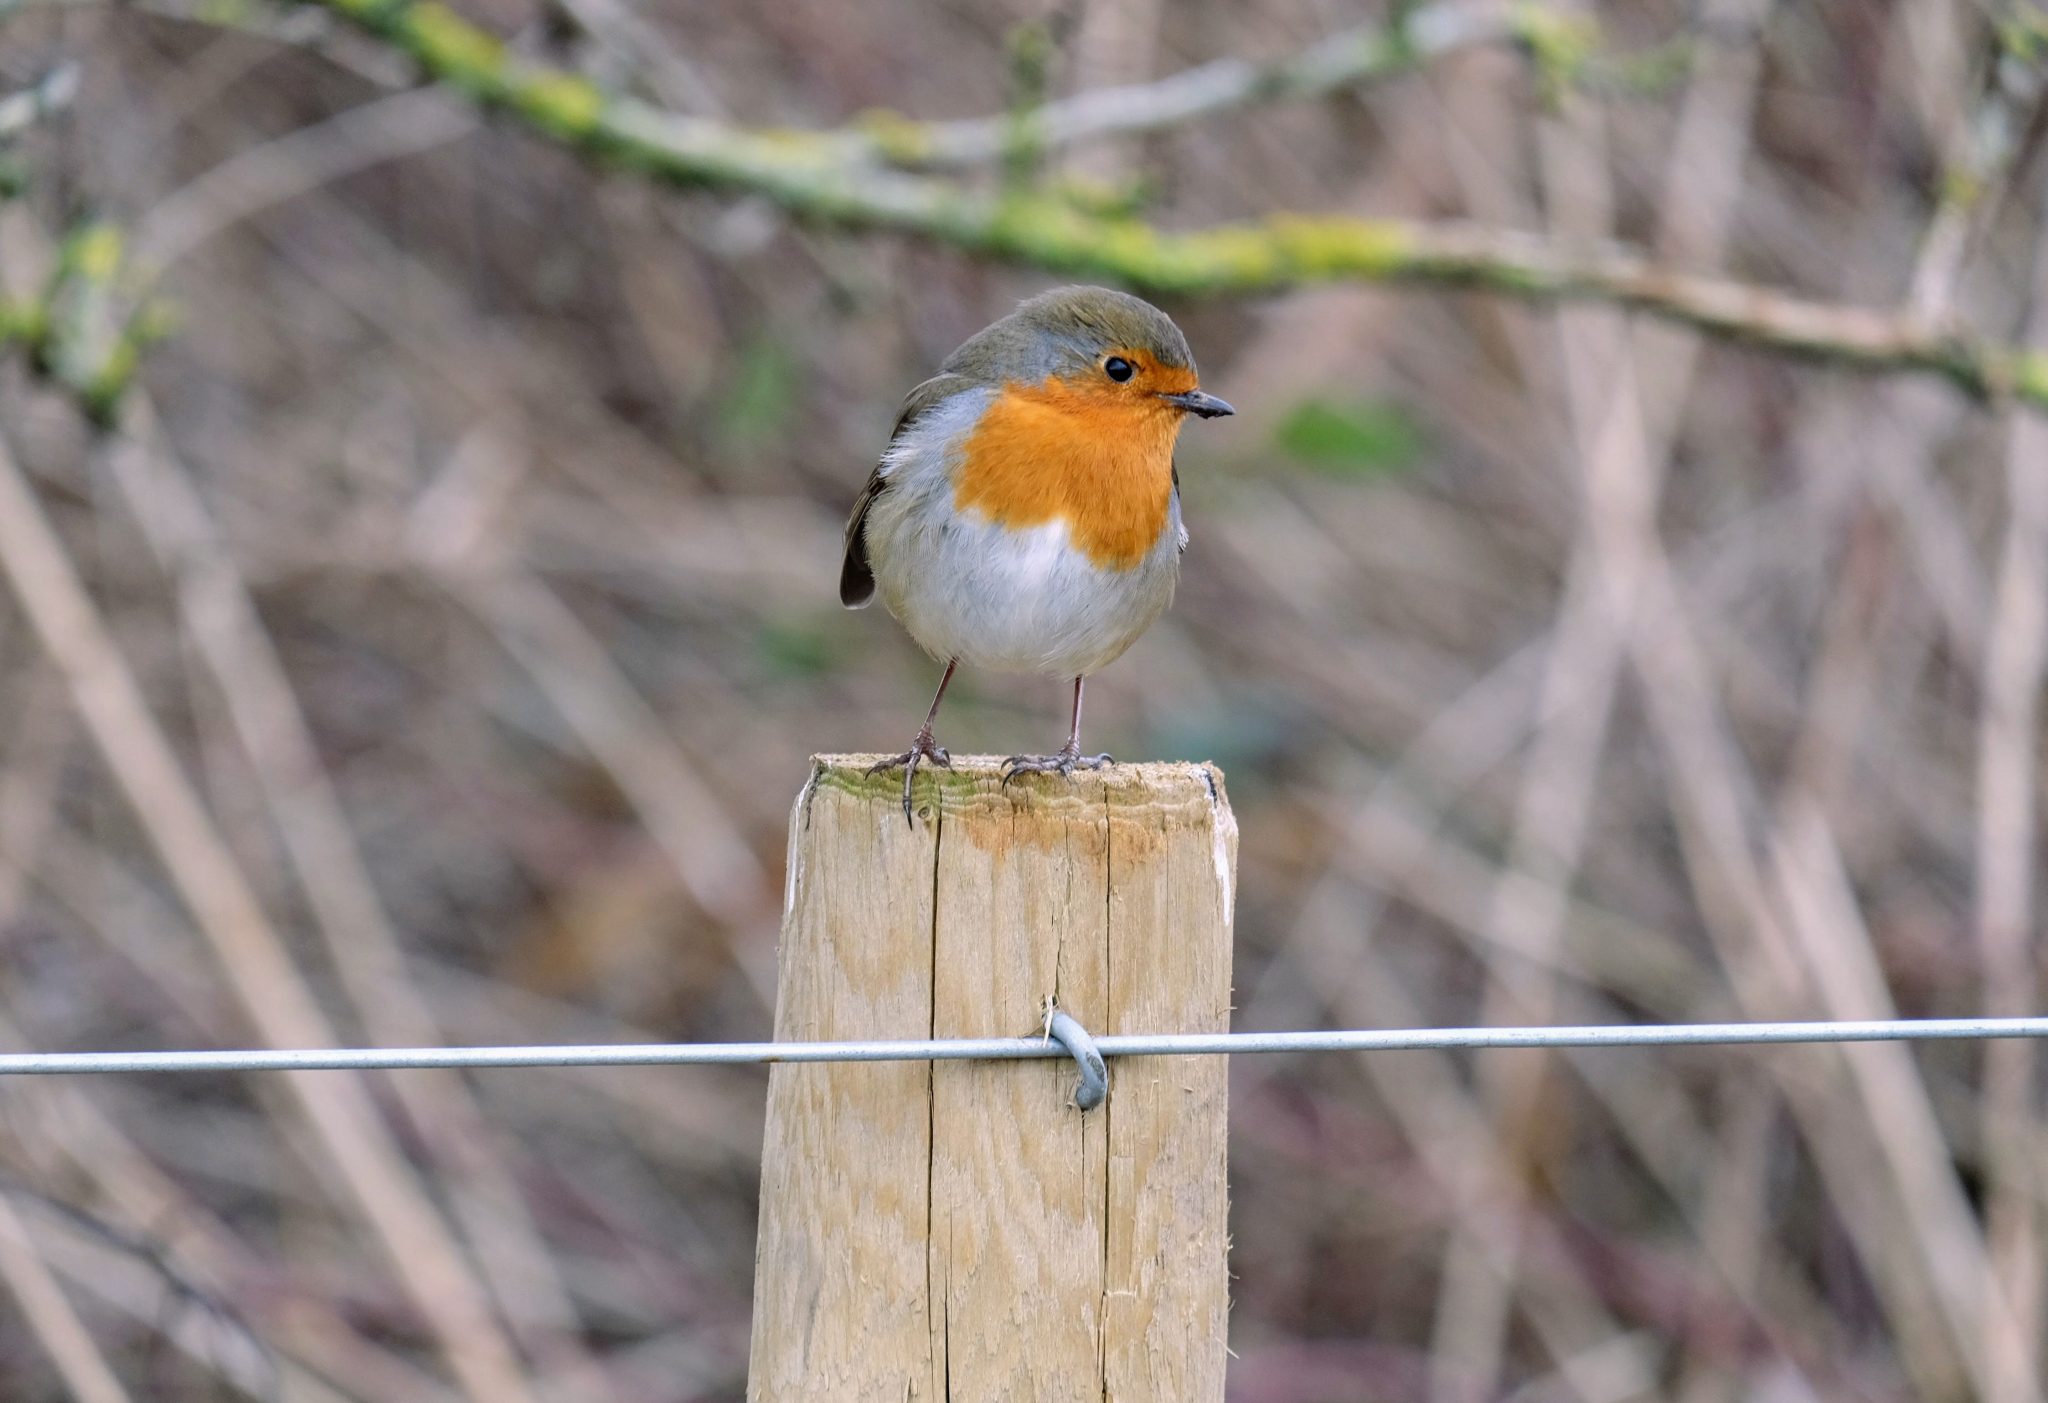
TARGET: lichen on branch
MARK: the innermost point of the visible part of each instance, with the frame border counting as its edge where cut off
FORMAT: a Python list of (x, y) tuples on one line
[(812, 176), (862, 177)]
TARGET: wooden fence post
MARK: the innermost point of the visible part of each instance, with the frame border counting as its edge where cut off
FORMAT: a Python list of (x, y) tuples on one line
[(958, 1230)]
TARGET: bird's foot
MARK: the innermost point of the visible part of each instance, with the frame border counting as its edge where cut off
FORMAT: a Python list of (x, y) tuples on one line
[(922, 748), (1066, 762)]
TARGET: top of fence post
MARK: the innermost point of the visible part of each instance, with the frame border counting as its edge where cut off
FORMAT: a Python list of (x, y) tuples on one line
[(963, 1226)]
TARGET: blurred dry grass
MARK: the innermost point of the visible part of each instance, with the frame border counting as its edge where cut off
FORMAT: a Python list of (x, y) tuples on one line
[(470, 546)]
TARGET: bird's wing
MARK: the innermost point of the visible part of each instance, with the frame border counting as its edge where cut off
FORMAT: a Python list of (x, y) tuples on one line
[(856, 576)]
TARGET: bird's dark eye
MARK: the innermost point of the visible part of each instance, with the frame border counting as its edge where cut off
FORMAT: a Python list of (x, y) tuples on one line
[(1117, 369)]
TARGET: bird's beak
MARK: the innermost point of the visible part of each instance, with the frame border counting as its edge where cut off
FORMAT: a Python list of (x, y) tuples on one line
[(1200, 402)]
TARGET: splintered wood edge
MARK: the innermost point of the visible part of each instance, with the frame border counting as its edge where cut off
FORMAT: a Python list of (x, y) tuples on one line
[(974, 786), (979, 777)]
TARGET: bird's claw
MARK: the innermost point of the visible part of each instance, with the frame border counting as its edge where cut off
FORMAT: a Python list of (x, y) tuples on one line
[(1065, 763), (922, 747)]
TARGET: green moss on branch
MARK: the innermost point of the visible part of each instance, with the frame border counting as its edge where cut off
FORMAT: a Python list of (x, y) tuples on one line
[(810, 175), (82, 330), (843, 179)]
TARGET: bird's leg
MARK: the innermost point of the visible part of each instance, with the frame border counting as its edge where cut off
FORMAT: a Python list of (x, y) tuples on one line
[(922, 746), (1066, 762)]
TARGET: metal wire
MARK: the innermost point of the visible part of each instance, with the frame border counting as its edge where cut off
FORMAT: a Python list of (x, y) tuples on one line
[(952, 1049)]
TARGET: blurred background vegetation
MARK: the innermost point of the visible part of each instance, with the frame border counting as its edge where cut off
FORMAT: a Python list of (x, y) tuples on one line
[(420, 521)]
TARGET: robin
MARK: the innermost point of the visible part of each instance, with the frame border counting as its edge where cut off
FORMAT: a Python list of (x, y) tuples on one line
[(1025, 516)]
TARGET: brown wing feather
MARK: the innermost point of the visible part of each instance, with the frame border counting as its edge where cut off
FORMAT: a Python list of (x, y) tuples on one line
[(856, 576)]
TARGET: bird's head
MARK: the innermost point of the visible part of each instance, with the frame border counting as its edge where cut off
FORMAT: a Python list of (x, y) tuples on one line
[(1113, 350)]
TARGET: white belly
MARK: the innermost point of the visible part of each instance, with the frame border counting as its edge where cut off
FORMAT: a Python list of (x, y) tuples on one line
[(1007, 600), (1020, 601)]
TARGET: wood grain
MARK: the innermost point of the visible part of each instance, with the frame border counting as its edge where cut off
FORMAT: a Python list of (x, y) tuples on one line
[(960, 1231)]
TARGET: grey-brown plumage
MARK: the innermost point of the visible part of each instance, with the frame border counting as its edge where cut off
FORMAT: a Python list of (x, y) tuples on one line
[(1104, 380), (856, 576), (1062, 332)]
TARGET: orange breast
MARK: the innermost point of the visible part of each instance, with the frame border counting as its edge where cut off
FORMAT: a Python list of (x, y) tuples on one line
[(1096, 457)]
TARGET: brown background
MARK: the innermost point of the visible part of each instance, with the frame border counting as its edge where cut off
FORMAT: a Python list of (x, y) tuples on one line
[(1563, 669)]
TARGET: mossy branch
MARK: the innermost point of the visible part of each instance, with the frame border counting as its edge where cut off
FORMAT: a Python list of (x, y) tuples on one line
[(810, 176), (86, 329), (853, 178)]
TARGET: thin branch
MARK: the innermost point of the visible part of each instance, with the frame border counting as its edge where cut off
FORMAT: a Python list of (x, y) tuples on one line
[(52, 93), (832, 178), (1345, 60), (259, 177), (1625, 390), (307, 1335), (86, 327), (222, 619), (2015, 660), (257, 962), (808, 175), (49, 1312), (1975, 180), (631, 43), (596, 700)]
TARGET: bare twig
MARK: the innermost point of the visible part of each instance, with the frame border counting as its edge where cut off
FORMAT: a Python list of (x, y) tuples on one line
[(385, 129), (132, 1287), (2007, 761), (78, 1359), (830, 177), (259, 969), (206, 1255), (1451, 1134), (634, 43), (810, 176), (458, 541), (1975, 180), (225, 624), (1625, 390), (52, 93), (1344, 60)]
